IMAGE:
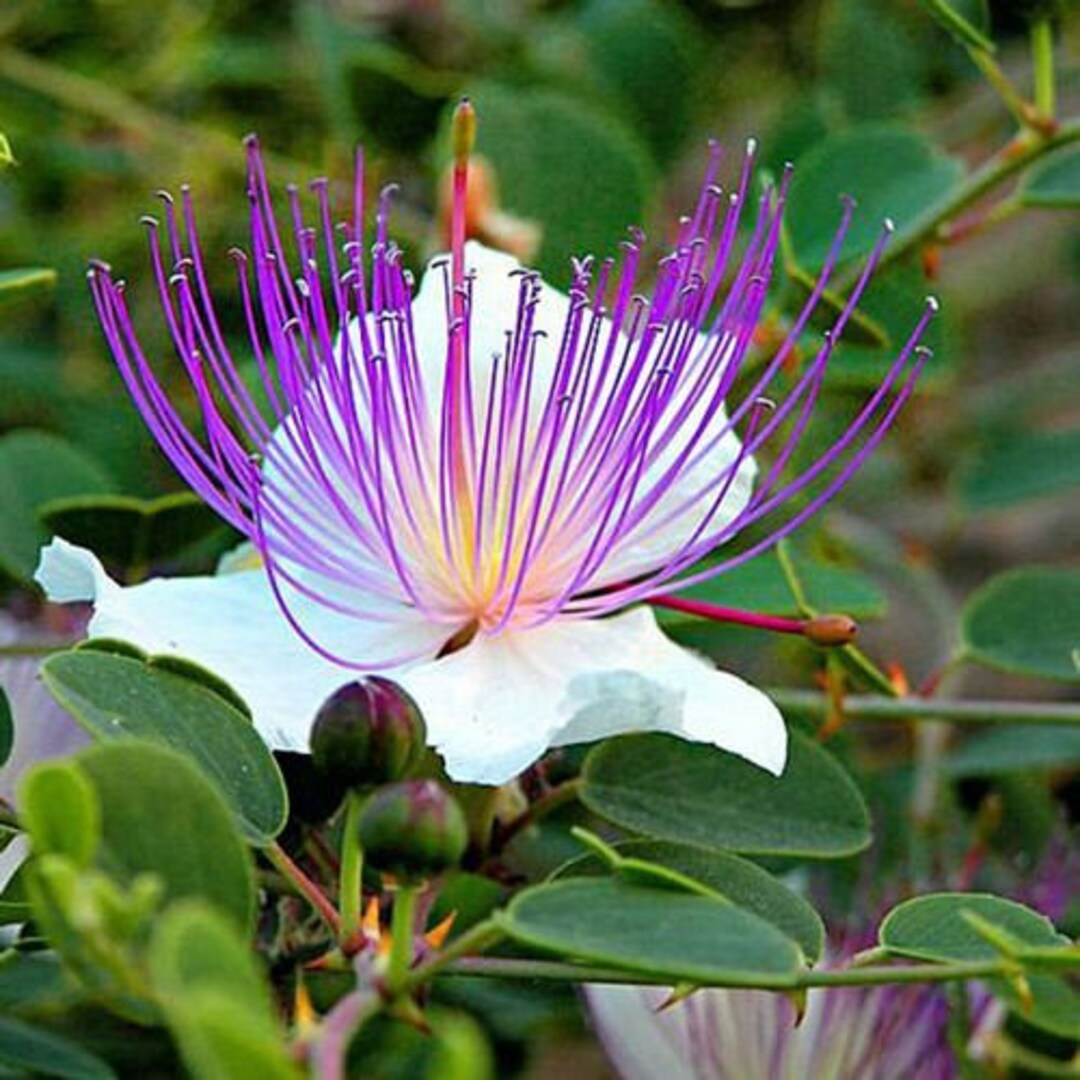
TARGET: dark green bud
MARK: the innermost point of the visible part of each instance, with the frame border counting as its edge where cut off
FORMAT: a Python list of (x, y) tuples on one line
[(367, 733), (413, 830)]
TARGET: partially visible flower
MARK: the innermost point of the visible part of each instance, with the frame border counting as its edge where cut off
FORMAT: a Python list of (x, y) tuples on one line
[(847, 1033), (452, 488)]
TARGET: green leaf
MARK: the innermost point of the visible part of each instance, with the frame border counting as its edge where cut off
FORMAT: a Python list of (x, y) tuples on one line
[(934, 928), (1053, 184), (727, 877), (33, 1051), (60, 810), (33, 980), (7, 728), (941, 928), (644, 55), (34, 468), (598, 189), (892, 172), (759, 585), (1026, 621), (966, 26), (1019, 468), (667, 788), (869, 60), (216, 1002), (14, 284), (161, 816), (129, 532), (1012, 749), (668, 936), (121, 696)]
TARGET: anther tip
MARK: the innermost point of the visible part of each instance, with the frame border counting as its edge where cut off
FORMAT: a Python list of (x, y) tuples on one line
[(889, 225), (933, 303), (751, 146), (251, 141)]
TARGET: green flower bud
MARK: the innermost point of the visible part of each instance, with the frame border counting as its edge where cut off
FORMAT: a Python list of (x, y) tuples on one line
[(413, 830), (367, 733)]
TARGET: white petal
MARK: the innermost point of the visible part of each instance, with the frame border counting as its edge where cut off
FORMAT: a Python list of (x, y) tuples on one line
[(493, 707), (232, 625), (641, 1041), (636, 679)]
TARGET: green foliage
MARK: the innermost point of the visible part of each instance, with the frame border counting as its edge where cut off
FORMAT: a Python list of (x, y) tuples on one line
[(1021, 467), (61, 811), (953, 927), (32, 1051), (194, 849), (723, 876), (1025, 621), (666, 788), (760, 585), (891, 172), (668, 935), (1009, 749), (1055, 183), (36, 467), (600, 188), (128, 532), (115, 696), (216, 1002)]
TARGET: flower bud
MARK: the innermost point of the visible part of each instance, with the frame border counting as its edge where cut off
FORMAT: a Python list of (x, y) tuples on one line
[(413, 830), (367, 733)]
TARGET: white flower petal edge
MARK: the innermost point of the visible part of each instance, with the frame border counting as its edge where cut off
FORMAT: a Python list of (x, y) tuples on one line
[(492, 708), (231, 625), (495, 706), (639, 1037)]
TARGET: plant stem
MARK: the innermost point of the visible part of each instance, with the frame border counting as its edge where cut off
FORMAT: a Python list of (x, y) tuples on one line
[(480, 937), (558, 971), (1006, 163), (1042, 56), (352, 868), (402, 931), (316, 897), (871, 707)]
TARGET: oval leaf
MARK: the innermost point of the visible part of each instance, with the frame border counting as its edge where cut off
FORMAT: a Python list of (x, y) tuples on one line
[(1055, 183), (60, 811), (892, 172), (941, 928), (666, 935), (34, 468), (1027, 621), (113, 695), (31, 1051), (161, 816), (675, 790), (216, 1001), (129, 532), (727, 877)]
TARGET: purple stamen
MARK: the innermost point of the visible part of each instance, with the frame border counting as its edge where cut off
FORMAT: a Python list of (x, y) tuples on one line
[(564, 474)]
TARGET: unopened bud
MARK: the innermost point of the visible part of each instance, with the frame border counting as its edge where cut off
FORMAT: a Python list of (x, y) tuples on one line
[(830, 630), (413, 830), (367, 733)]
